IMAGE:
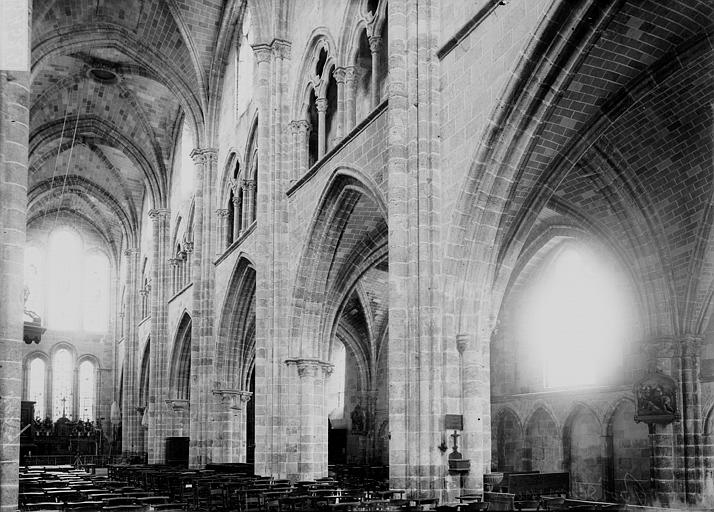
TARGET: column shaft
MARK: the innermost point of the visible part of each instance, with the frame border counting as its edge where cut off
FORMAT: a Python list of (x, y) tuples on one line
[(132, 441), (14, 133), (416, 345), (245, 214), (321, 135), (201, 399), (350, 109), (375, 47), (339, 75), (237, 214), (158, 358)]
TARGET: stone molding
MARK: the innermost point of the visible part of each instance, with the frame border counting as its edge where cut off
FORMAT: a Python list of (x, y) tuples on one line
[(157, 213), (177, 404), (672, 346), (311, 367), (203, 155), (235, 398)]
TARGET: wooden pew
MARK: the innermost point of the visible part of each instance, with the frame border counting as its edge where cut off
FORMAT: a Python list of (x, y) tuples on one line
[(532, 486)]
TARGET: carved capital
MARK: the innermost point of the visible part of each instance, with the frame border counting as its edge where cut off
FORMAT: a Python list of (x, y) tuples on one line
[(188, 245), (233, 398), (131, 251), (247, 185), (339, 74), (311, 367), (222, 212), (351, 74), (281, 48), (375, 44), (463, 341), (321, 104), (303, 126), (159, 213), (174, 262), (203, 155), (691, 346), (262, 53)]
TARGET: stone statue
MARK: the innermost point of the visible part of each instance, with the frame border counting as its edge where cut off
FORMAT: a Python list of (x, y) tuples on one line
[(358, 420)]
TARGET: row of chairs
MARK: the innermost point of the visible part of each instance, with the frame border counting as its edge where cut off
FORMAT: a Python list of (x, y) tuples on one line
[(57, 488)]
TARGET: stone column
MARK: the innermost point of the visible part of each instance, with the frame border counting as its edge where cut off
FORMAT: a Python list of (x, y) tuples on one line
[(375, 47), (339, 74), (416, 344), (202, 342), (230, 442), (321, 105), (221, 215), (175, 284), (248, 200), (312, 420), (237, 212), (267, 431), (272, 333), (130, 418), (666, 464), (303, 155), (188, 262), (158, 358), (690, 350), (144, 294), (295, 141), (476, 407), (350, 109), (14, 137)]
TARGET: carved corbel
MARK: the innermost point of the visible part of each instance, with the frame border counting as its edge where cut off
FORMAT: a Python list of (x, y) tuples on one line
[(234, 398)]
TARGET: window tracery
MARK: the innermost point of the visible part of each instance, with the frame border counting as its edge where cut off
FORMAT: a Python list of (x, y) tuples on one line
[(87, 388), (62, 384)]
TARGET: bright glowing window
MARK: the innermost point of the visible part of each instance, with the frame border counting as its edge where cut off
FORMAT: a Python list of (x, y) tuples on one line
[(33, 279), (62, 373), (96, 292), (65, 275), (36, 386), (574, 320), (87, 384)]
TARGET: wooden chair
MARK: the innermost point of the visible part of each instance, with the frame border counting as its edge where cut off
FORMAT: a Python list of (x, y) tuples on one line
[(476, 506), (555, 504), (44, 506), (83, 505)]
